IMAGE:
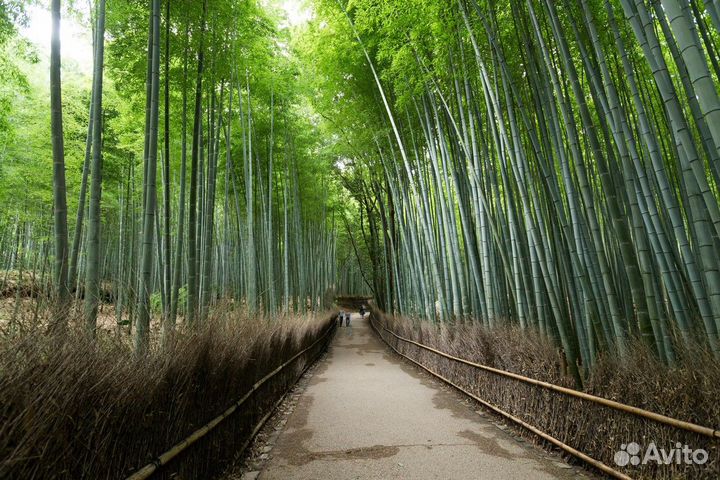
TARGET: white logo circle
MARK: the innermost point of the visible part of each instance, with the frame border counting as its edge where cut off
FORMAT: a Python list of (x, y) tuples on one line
[(621, 458)]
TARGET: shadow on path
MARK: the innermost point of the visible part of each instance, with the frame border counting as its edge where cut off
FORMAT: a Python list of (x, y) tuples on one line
[(368, 415)]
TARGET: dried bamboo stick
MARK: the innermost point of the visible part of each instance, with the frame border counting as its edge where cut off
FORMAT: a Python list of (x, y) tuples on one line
[(673, 422), (595, 463), (146, 471)]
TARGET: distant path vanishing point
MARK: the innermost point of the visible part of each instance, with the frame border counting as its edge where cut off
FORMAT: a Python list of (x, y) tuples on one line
[(367, 415)]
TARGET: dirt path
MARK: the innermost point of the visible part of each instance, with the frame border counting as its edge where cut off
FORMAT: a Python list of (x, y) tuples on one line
[(366, 415)]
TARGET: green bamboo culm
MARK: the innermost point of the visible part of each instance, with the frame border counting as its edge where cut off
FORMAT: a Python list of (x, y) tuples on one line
[(549, 171)]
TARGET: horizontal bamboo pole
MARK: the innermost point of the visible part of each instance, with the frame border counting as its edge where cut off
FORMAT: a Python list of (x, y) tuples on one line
[(673, 422), (178, 448), (273, 409), (586, 458)]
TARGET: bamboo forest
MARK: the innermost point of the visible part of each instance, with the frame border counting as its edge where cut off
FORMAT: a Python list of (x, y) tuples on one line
[(301, 239)]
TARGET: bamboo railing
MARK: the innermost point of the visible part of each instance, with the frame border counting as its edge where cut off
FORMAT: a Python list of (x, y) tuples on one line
[(673, 422), (163, 459)]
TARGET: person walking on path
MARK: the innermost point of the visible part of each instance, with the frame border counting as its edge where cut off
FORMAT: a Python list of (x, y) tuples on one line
[(347, 319), (341, 316)]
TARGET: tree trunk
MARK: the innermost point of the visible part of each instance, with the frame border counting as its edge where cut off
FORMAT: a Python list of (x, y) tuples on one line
[(143, 322), (62, 290), (92, 269)]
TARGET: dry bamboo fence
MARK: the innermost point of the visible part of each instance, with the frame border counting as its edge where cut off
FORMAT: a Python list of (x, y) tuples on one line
[(454, 378), (163, 459)]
